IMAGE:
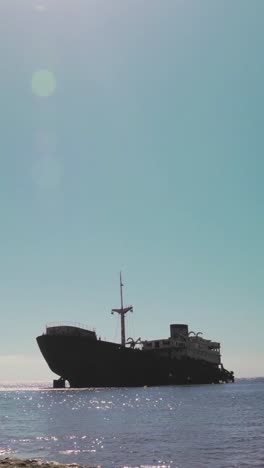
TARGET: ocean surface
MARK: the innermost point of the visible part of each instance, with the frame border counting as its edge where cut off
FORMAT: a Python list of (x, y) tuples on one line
[(188, 426)]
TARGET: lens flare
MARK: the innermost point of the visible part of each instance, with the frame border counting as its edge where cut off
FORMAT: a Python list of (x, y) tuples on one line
[(43, 83), (47, 173), (45, 142), (39, 5)]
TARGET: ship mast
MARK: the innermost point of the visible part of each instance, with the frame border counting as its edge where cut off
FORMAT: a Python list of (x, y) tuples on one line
[(122, 312)]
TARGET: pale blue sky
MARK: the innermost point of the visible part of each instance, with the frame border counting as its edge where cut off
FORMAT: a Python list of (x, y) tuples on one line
[(147, 157)]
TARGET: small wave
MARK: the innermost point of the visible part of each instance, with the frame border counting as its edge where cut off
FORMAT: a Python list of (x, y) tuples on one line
[(148, 466), (76, 452), (6, 451), (24, 386), (250, 380)]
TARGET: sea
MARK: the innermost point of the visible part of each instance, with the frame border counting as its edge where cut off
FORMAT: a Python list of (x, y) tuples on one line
[(196, 426)]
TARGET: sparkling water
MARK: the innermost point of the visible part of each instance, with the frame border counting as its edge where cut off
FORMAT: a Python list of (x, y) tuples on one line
[(185, 426)]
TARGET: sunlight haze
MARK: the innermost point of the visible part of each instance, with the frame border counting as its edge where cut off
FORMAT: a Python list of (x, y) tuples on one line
[(131, 139)]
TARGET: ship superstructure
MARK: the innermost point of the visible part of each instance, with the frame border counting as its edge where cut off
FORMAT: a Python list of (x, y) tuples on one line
[(184, 344)]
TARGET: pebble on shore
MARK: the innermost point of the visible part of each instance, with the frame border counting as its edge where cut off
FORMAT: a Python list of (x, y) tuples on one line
[(35, 463)]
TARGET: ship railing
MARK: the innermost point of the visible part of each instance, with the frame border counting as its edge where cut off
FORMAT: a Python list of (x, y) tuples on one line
[(69, 324)]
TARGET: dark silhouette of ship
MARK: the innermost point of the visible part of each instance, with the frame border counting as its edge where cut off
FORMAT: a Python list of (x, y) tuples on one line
[(76, 355)]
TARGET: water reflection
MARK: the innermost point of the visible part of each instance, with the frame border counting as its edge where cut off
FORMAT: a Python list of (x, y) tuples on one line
[(154, 427)]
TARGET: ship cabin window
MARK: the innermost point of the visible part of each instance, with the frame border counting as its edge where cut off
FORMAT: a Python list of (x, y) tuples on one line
[(148, 345)]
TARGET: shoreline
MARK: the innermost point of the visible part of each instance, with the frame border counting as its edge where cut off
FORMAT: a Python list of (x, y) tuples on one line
[(36, 463)]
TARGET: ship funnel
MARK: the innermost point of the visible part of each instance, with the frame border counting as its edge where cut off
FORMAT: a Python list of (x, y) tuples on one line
[(178, 329)]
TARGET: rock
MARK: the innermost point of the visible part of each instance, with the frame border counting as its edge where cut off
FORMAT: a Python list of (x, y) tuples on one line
[(35, 463)]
